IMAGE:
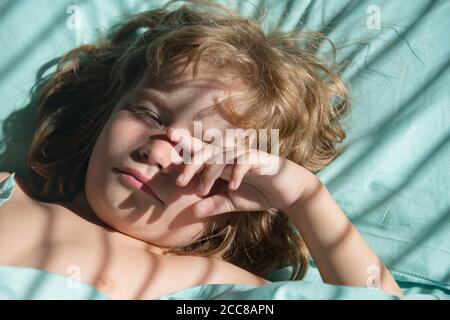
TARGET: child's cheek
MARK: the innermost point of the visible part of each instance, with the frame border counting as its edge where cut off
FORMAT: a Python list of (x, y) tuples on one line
[(123, 134)]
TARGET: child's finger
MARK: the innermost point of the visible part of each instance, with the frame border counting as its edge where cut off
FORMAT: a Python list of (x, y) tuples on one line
[(250, 162), (194, 146), (218, 167), (183, 138), (196, 165), (214, 205), (175, 157), (188, 171), (239, 171), (210, 175)]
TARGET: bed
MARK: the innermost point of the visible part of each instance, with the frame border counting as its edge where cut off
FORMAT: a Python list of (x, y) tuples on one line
[(393, 178)]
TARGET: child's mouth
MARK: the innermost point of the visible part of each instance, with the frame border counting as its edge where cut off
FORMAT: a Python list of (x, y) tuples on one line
[(131, 180)]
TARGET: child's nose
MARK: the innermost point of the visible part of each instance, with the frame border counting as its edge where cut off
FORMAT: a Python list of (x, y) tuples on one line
[(161, 153)]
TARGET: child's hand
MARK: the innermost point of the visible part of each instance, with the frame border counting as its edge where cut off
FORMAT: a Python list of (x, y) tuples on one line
[(254, 184)]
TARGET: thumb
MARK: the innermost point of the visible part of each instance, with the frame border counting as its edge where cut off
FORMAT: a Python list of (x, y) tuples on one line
[(214, 205)]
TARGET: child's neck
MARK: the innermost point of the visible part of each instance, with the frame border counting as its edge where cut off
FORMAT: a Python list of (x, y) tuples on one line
[(80, 206)]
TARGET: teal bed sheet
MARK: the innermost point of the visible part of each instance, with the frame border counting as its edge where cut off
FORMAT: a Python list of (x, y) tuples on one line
[(393, 178), (18, 283)]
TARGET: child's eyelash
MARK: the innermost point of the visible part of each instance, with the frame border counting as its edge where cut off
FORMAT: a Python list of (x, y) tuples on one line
[(139, 110)]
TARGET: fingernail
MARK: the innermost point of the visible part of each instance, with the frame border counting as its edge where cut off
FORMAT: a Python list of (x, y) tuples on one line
[(232, 184), (180, 178)]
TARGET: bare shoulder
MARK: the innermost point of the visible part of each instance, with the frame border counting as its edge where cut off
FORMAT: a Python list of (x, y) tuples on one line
[(177, 272), (230, 273)]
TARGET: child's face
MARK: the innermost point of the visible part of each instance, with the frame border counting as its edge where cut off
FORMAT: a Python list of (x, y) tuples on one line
[(139, 142)]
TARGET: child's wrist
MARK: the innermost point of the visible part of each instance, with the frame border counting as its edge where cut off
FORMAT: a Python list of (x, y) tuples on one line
[(312, 186)]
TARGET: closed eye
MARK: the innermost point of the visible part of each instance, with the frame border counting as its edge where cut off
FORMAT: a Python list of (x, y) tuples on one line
[(143, 112)]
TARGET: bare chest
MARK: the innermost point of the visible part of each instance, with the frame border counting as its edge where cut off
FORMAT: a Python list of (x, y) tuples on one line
[(51, 238)]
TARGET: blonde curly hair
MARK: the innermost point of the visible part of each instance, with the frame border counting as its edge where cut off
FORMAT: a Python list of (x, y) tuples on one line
[(291, 89)]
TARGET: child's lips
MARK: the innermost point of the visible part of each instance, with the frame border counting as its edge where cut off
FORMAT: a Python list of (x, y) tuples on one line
[(137, 180)]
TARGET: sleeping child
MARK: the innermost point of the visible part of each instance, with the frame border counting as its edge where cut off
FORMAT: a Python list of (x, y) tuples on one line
[(182, 150)]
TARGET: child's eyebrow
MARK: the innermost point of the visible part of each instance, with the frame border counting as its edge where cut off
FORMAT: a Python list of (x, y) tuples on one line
[(205, 112), (146, 95)]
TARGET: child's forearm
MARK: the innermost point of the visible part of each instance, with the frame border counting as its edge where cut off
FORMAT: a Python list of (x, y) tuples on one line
[(341, 255)]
